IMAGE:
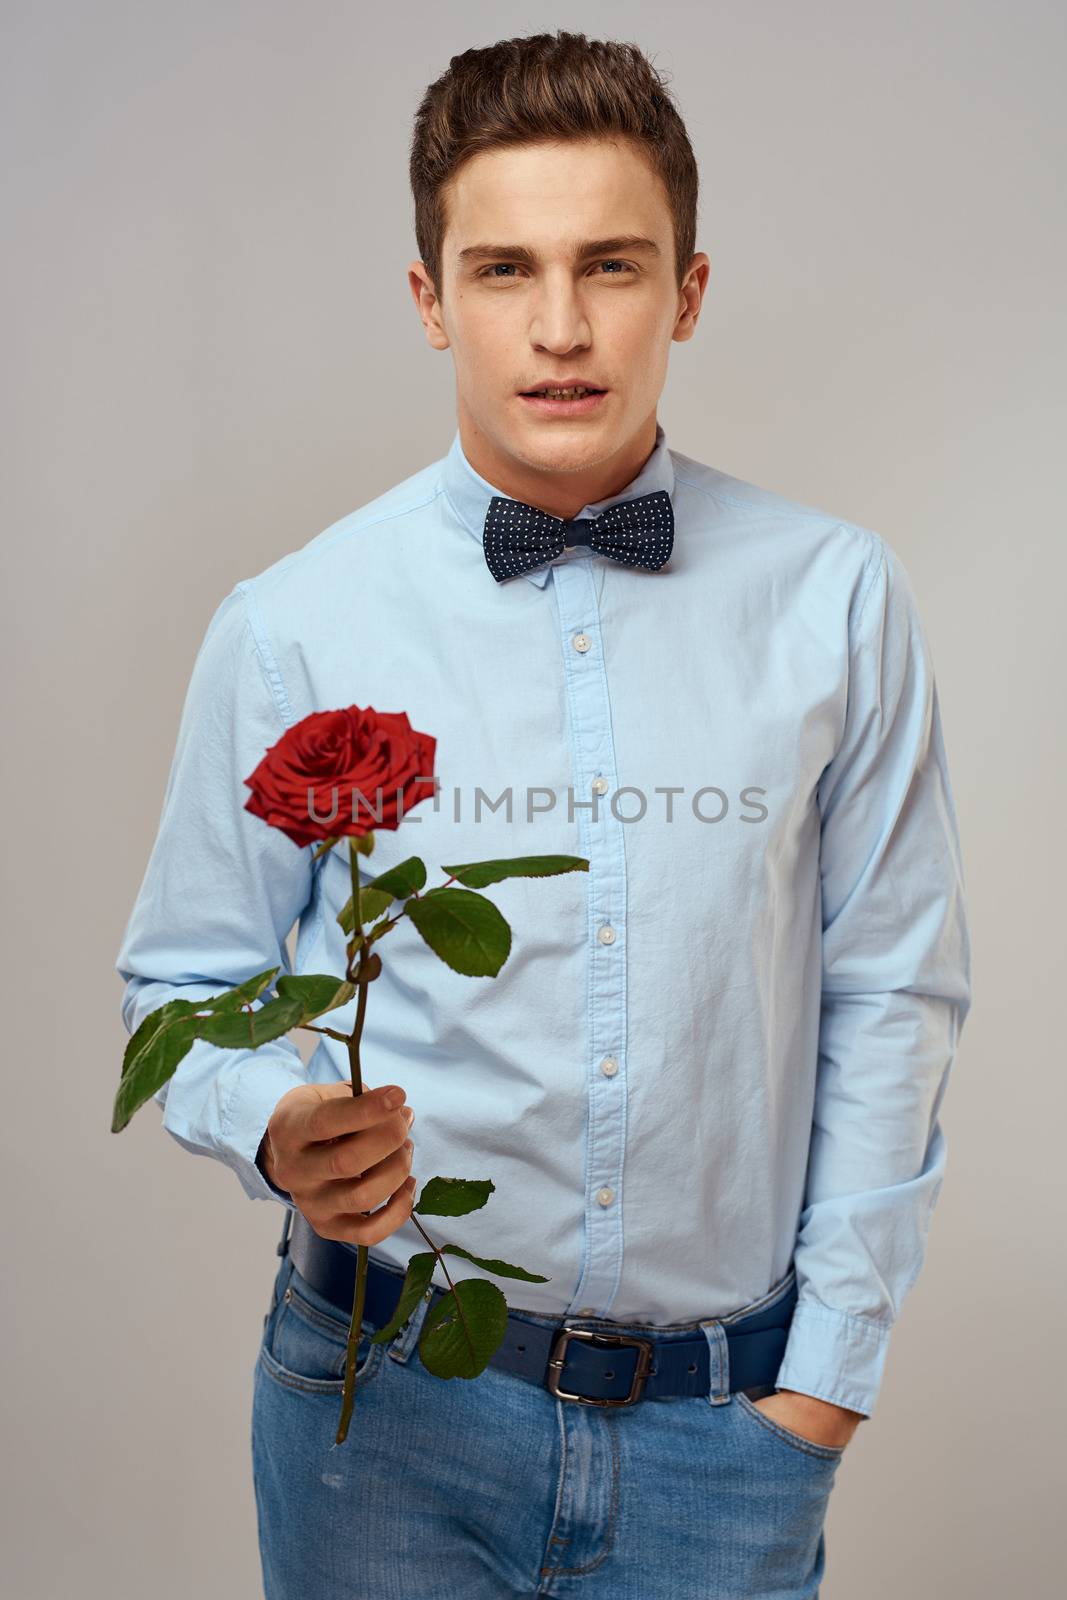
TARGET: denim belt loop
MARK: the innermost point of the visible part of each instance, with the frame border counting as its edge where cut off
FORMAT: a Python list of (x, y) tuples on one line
[(718, 1362), (405, 1341)]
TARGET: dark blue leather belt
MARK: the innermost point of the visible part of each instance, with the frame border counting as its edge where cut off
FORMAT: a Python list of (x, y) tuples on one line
[(602, 1368)]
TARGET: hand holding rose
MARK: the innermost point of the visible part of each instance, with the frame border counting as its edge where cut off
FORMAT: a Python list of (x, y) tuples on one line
[(340, 1156)]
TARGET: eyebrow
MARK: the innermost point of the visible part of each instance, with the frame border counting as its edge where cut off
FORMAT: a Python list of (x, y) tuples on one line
[(631, 242)]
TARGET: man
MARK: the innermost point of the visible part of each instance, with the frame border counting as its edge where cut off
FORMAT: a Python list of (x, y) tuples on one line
[(706, 1084)]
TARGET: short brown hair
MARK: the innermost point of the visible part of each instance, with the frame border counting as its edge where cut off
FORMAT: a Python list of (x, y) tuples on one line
[(547, 86)]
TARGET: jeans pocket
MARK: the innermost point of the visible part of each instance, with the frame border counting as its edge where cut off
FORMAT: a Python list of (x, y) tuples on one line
[(790, 1440), (305, 1342)]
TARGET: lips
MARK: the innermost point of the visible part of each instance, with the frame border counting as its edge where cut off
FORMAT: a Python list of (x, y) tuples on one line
[(545, 406), (546, 393)]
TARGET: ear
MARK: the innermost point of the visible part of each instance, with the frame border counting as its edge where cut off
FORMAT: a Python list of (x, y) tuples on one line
[(428, 305)]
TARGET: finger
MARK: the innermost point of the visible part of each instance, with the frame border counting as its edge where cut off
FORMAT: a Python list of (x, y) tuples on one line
[(336, 1111), (351, 1196), (378, 1226), (350, 1155)]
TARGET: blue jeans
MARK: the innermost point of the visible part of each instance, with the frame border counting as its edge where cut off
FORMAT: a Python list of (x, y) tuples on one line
[(493, 1488)]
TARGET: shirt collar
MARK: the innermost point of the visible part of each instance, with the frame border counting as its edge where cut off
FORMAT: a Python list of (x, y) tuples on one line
[(469, 493)]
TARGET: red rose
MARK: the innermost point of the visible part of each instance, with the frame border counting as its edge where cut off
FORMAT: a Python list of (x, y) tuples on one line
[(377, 754)]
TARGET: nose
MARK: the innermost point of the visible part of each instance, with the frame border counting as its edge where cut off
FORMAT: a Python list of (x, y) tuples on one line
[(559, 323)]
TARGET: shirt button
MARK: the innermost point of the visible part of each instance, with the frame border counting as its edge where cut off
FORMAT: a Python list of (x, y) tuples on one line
[(600, 785), (609, 1066), (606, 934), (581, 641), (605, 1196)]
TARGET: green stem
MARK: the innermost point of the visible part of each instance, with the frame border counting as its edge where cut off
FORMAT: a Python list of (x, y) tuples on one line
[(362, 1251), (444, 1268)]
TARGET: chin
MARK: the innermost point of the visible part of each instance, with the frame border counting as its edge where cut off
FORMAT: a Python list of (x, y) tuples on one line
[(564, 449)]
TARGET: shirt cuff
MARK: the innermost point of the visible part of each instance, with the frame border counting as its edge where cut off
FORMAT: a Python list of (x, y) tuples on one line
[(834, 1356), (254, 1091), (253, 1097), (279, 1194)]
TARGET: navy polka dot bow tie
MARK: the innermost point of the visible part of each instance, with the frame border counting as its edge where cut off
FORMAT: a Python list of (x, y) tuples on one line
[(517, 537)]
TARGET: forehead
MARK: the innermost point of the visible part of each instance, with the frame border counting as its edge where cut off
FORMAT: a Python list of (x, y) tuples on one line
[(550, 194)]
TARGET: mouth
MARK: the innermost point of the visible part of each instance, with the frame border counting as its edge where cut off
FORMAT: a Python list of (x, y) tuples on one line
[(573, 402)]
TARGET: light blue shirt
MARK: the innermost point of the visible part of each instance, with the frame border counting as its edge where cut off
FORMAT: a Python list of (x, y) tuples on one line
[(718, 1054)]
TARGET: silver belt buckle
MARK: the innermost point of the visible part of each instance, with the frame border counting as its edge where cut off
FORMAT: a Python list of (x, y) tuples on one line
[(642, 1368)]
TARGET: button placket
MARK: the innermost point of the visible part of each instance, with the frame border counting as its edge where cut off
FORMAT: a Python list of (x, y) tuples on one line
[(601, 842)]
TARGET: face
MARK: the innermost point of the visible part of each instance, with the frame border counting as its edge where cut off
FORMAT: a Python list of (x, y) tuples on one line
[(532, 297)]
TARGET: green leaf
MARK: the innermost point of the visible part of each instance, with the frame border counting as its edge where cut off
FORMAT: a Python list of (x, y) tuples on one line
[(467, 931), (159, 1048), (453, 1197), (477, 874), (242, 994), (416, 1282), (301, 997), (317, 992), (168, 1033), (371, 906), (403, 879), (461, 1332), (157, 1022), (154, 1050), (396, 884), (247, 1030), (502, 1269)]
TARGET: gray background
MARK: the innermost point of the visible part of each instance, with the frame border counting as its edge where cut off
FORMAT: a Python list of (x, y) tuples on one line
[(211, 355)]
